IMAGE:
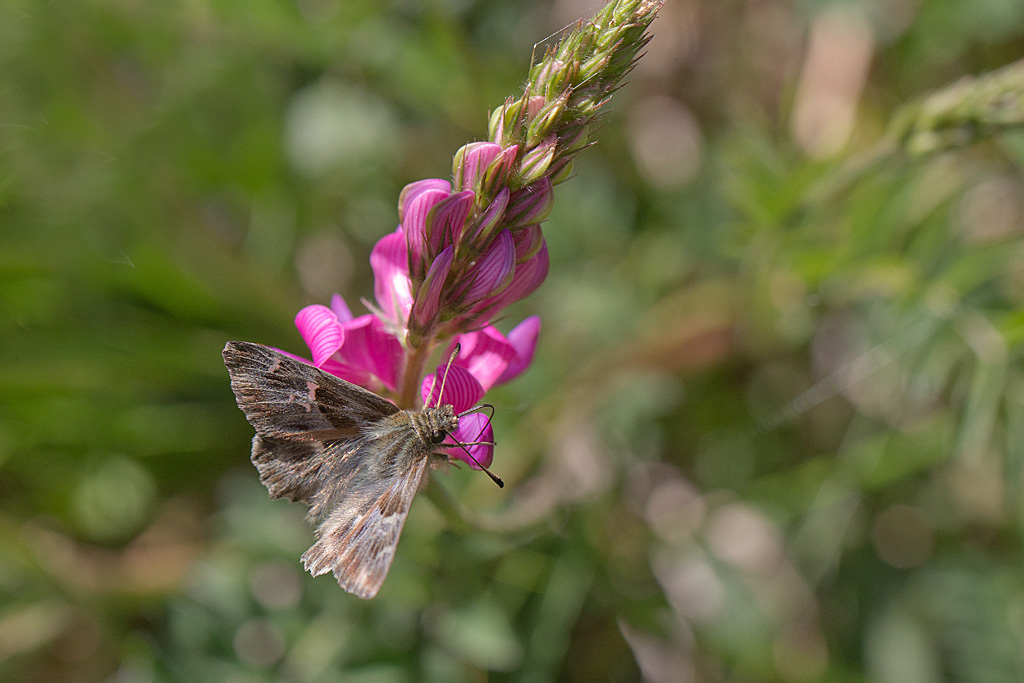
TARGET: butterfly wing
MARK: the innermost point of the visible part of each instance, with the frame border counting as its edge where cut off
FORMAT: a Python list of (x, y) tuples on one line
[(357, 539), (286, 398), (339, 448), (306, 420)]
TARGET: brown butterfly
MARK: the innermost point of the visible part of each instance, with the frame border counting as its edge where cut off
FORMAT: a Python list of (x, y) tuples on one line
[(353, 457)]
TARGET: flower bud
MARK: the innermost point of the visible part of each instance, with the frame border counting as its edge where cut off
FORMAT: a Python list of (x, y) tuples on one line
[(494, 271), (497, 172), (535, 164), (470, 162), (530, 204), (447, 220), (528, 277), (561, 170), (410, 191), (528, 242), (547, 118), (427, 303), (414, 225), (492, 216)]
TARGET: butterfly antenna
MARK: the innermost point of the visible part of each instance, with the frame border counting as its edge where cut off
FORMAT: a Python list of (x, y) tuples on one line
[(495, 478), (477, 409), (483, 406), (444, 378)]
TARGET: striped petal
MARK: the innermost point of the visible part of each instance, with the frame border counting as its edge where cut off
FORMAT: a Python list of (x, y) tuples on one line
[(414, 224), (447, 220), (495, 269), (412, 190), (461, 390), (428, 300), (321, 331), (528, 277)]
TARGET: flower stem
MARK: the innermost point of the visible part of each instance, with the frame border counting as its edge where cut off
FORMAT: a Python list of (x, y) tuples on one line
[(412, 374)]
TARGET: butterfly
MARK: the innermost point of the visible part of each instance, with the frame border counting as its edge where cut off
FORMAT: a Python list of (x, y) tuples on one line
[(353, 457)]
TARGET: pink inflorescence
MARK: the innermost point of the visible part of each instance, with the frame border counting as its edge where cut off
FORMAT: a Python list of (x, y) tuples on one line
[(466, 249), (451, 266)]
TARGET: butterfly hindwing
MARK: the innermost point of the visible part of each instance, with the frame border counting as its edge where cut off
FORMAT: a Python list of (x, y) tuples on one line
[(298, 470), (357, 538)]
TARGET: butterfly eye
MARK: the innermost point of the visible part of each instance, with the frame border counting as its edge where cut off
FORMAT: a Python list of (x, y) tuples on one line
[(438, 437)]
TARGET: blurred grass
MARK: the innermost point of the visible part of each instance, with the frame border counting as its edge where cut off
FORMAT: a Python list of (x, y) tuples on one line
[(772, 431)]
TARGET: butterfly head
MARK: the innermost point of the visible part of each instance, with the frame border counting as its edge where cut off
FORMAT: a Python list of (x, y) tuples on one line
[(435, 424)]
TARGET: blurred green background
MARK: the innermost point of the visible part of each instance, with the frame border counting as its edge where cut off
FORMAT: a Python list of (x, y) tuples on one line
[(774, 430)]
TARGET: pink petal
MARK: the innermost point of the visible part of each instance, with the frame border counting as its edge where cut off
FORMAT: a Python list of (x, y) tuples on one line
[(414, 222), (528, 242), (428, 300), (495, 269), (410, 192), (447, 219), (528, 277), (340, 309), (492, 215), (461, 390), (473, 428), (486, 354), (371, 350), (531, 204), (390, 263), (523, 338), (349, 373), (321, 331), (473, 159)]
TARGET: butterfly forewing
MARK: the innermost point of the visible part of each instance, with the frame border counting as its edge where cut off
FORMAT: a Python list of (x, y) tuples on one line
[(352, 456), (285, 398)]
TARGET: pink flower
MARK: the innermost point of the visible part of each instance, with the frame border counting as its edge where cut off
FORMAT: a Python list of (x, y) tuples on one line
[(359, 350), (462, 391), (487, 358), (492, 358), (450, 266)]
